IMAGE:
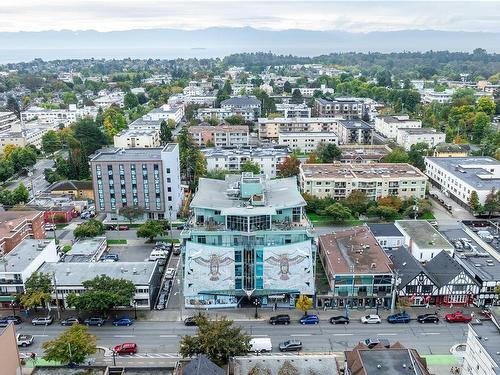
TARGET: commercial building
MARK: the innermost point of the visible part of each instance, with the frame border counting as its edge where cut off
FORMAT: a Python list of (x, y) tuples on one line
[(354, 131), (248, 240), (459, 177), (358, 270), (166, 112), (277, 364), (290, 110), (86, 250), (249, 107), (375, 180), (409, 137), (388, 126), (363, 154), (147, 178), (271, 128), (221, 135), (423, 240), (347, 108), (16, 226), (231, 160), (306, 142), (132, 138)]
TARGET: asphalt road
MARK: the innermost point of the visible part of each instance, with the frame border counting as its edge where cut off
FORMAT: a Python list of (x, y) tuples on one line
[(37, 177)]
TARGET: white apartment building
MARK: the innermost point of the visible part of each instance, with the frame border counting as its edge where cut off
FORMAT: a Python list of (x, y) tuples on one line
[(459, 177), (130, 138), (483, 343), (158, 79), (409, 137), (181, 99), (271, 128), (216, 113), (107, 100), (388, 126), (288, 110), (306, 141), (246, 106), (22, 138), (221, 135), (166, 112), (430, 96), (192, 89), (268, 159), (7, 119), (375, 180), (54, 117), (242, 88), (308, 92)]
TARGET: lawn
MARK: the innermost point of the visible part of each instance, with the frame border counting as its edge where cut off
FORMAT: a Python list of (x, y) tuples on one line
[(40, 362), (116, 242), (428, 216), (326, 220)]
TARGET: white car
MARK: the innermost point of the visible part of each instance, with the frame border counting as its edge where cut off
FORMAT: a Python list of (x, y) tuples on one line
[(371, 319), (24, 340), (50, 226)]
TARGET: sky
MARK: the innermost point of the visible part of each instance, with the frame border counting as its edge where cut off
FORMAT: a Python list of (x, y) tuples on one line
[(354, 16)]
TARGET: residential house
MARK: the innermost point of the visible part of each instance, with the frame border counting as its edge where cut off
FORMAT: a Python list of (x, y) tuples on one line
[(389, 126), (77, 189)]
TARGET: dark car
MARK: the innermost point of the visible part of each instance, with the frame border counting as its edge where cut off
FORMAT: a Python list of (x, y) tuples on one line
[(110, 256), (180, 227), (290, 346), (339, 320), (428, 318), (309, 319), (125, 321), (401, 317), (10, 319), (70, 321), (280, 319), (372, 342), (190, 321), (94, 321)]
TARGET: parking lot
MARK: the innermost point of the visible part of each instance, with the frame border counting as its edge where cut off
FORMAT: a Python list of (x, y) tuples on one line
[(132, 252)]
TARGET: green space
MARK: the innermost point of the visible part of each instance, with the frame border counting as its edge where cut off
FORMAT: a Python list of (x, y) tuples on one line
[(61, 226), (428, 216), (441, 359), (116, 242), (40, 362), (172, 240)]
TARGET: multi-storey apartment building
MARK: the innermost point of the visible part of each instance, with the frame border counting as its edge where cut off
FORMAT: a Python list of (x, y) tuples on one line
[(22, 138), (388, 126), (220, 136), (354, 131), (430, 96), (7, 119), (288, 110), (347, 108), (166, 112), (375, 180), (16, 226), (363, 154), (247, 106), (55, 117), (148, 178), (132, 138), (268, 159), (306, 141), (459, 177), (271, 128), (248, 239), (410, 137), (481, 353)]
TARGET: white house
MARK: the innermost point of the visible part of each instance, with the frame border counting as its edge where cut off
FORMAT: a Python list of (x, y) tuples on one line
[(408, 137), (388, 126)]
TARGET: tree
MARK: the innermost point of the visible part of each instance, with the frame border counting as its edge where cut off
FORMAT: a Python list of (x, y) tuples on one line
[(37, 290), (217, 339), (492, 202), (223, 93), (296, 97), (338, 212), (384, 212), (90, 228), (131, 213), (165, 133), (474, 201), (218, 174), (13, 106), (384, 78), (69, 98), (71, 347), (417, 153), (151, 229), (303, 303), (357, 201), (249, 166), (328, 152), (7, 150), (287, 87), (289, 167), (397, 155), (20, 194), (102, 294), (192, 161), (235, 120), (487, 105), (6, 169), (51, 142), (390, 201), (130, 100), (87, 137)]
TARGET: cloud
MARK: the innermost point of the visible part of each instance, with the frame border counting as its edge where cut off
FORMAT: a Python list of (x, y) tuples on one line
[(356, 16)]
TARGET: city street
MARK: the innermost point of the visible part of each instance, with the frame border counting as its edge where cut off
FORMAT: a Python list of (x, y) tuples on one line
[(37, 179)]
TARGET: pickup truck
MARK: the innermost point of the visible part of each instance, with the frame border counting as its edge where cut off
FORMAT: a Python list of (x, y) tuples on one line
[(458, 317), (24, 340)]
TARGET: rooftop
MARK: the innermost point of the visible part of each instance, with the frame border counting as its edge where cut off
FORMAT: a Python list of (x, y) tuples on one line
[(367, 171), (84, 250), (444, 268), (481, 172), (354, 251), (408, 267), (23, 254), (420, 131), (452, 147), (137, 133), (424, 234), (218, 128), (324, 101), (355, 124), (240, 101), (385, 230), (392, 361), (70, 185), (304, 364), (11, 220), (250, 152), (307, 134), (397, 119), (130, 154), (75, 273), (488, 335), (297, 120)]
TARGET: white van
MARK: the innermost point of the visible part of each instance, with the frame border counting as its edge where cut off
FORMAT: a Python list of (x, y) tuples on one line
[(261, 345), (485, 235), (158, 254)]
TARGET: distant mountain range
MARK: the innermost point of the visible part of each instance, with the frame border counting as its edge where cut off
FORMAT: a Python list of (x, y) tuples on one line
[(220, 41)]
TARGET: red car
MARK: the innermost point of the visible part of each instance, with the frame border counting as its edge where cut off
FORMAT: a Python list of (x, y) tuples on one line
[(127, 348), (458, 317)]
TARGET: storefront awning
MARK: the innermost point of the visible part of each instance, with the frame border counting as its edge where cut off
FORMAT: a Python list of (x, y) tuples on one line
[(255, 293), (7, 298)]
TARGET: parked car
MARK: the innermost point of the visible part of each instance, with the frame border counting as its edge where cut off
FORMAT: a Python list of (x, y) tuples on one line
[(428, 318), (180, 227), (123, 227), (127, 348), (111, 257), (94, 321), (162, 299), (50, 227), (169, 273), (401, 317), (309, 319), (158, 254), (6, 320), (125, 321), (339, 319), (70, 321), (177, 249), (280, 319), (24, 340), (458, 317), (290, 346), (42, 320), (373, 341), (261, 345), (163, 246), (371, 319), (190, 321)]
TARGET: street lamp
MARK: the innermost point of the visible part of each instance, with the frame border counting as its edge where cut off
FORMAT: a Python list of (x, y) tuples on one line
[(256, 303), (135, 309)]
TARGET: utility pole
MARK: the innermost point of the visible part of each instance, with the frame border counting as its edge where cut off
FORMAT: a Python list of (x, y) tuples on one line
[(57, 296)]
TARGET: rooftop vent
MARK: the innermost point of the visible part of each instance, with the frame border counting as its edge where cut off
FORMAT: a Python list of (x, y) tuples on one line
[(373, 265)]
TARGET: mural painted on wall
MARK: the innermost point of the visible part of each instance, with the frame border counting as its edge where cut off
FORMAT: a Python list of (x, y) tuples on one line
[(289, 267), (208, 268)]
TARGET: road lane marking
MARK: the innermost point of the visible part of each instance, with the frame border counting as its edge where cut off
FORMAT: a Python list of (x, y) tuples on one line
[(168, 335), (431, 333), (40, 335), (124, 336), (387, 334), (301, 335), (260, 335)]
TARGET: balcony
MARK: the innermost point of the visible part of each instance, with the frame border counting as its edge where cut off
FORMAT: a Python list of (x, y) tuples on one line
[(11, 282)]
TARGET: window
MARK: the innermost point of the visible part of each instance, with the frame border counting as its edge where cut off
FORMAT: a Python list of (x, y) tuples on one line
[(168, 170)]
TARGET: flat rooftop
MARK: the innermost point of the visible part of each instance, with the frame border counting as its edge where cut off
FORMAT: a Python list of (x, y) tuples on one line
[(367, 171), (354, 251), (481, 172), (253, 152), (218, 128), (389, 362), (488, 335), (23, 254), (87, 247), (385, 230), (137, 132), (355, 124), (131, 154), (11, 220), (75, 273), (305, 364), (424, 235), (297, 120), (307, 134), (420, 131)]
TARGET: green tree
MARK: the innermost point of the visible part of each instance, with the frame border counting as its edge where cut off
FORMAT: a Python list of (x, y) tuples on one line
[(223, 94), (357, 202), (328, 152), (22, 157), (87, 137), (235, 120), (249, 166), (6, 169), (417, 153), (131, 213), (304, 303), (151, 229), (384, 78), (217, 174), (338, 212), (71, 347), (69, 98), (492, 202), (287, 87), (384, 212), (13, 106), (90, 228), (192, 161), (218, 339), (51, 142), (20, 194), (474, 201), (130, 100), (289, 167), (481, 126), (487, 105), (297, 97), (165, 133), (37, 290), (397, 155), (102, 294)]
